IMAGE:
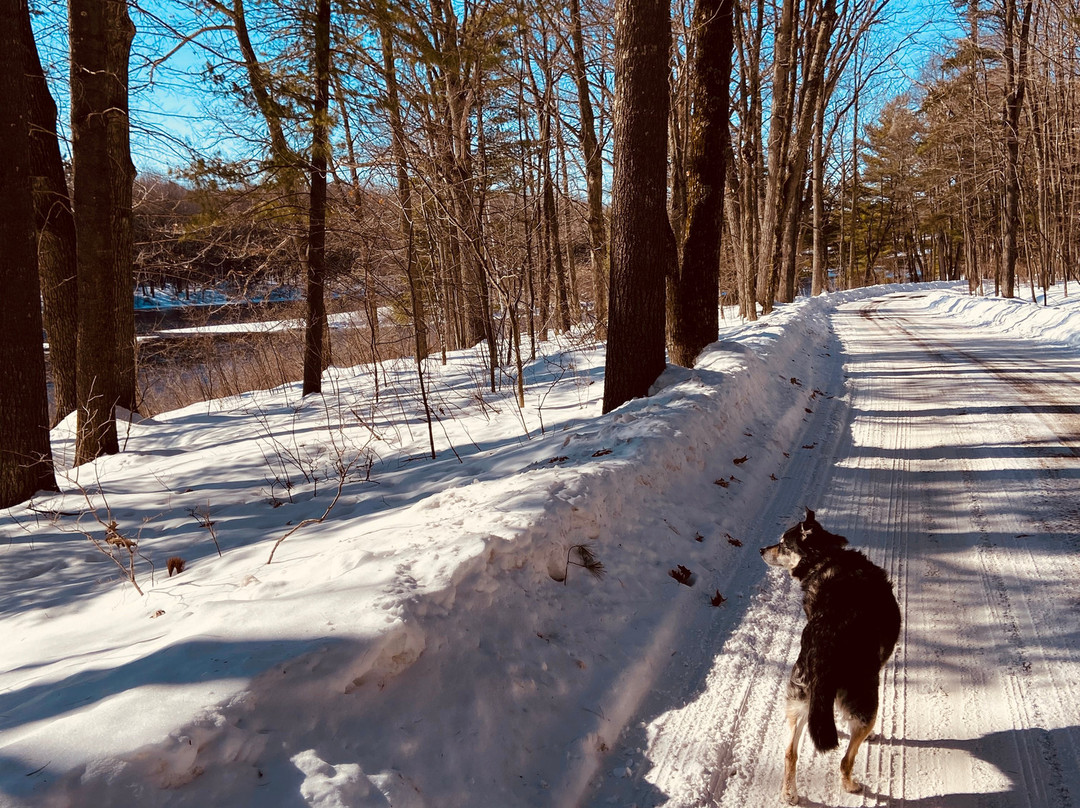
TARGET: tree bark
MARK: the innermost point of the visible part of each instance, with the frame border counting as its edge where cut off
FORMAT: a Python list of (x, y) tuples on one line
[(55, 226), (643, 246), (748, 157), (315, 336), (812, 86), (1016, 62), (550, 212), (25, 453), (122, 177), (780, 124), (694, 291), (282, 155), (819, 278), (98, 29)]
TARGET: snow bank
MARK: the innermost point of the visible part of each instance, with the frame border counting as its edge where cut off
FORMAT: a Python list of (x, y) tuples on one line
[(1054, 320), (432, 642)]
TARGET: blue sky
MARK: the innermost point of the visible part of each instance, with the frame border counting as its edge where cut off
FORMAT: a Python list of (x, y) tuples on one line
[(169, 100)]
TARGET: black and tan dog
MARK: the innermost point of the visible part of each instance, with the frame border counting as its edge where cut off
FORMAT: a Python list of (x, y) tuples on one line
[(852, 624)]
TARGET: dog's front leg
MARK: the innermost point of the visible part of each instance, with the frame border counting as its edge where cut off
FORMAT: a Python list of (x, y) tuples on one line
[(796, 716)]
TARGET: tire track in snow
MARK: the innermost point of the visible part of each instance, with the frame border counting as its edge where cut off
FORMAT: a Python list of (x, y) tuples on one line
[(708, 751), (1006, 700), (943, 467), (947, 468)]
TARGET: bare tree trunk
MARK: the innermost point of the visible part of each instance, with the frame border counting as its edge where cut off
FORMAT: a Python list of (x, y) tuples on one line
[(98, 109), (551, 227), (853, 241), (643, 246), (1016, 63), (25, 453), (594, 169), (122, 177), (282, 155), (749, 159), (819, 280), (315, 335), (397, 135), (694, 291), (780, 124), (55, 223), (819, 39)]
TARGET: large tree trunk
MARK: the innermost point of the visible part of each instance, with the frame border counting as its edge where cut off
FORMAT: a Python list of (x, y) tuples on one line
[(98, 31), (643, 246), (122, 33), (55, 225), (25, 453), (694, 291), (315, 336)]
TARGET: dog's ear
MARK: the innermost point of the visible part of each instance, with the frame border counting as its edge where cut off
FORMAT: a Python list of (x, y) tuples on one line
[(809, 518), (815, 536)]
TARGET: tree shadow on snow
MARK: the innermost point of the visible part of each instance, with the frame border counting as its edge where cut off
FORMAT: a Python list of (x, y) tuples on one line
[(1040, 765)]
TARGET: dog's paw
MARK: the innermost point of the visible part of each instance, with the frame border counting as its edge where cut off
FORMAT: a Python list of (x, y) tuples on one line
[(852, 786), (789, 796)]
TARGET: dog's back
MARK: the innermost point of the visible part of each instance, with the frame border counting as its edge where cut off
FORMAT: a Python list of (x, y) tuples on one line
[(852, 626), (853, 623)]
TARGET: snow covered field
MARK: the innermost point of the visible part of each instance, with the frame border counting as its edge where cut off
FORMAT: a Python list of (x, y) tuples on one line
[(431, 642)]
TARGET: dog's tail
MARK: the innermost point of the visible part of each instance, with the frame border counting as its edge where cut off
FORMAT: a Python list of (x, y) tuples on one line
[(820, 722)]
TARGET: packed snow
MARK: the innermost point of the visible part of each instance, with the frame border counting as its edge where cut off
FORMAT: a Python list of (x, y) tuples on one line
[(427, 635)]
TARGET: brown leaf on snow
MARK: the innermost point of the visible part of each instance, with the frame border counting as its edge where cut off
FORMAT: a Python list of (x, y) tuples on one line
[(717, 599), (682, 575), (738, 461)]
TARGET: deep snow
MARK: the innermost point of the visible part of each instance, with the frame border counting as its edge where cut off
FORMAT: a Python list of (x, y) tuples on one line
[(420, 646)]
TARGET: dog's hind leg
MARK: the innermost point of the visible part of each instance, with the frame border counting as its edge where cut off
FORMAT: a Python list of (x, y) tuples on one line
[(859, 730), (796, 716)]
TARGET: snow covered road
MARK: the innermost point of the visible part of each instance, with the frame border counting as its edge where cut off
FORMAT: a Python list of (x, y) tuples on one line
[(434, 644), (951, 459)]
